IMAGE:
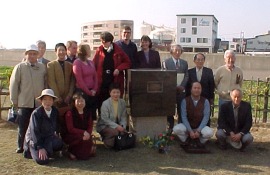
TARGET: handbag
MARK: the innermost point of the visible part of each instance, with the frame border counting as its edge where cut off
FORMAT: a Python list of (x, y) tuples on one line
[(12, 115), (124, 140)]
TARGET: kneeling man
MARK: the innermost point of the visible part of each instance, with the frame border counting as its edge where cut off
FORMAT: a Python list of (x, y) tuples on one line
[(195, 113), (234, 122)]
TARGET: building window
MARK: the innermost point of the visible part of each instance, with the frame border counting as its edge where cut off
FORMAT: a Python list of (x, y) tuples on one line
[(115, 33), (194, 30), (183, 20), (85, 41), (199, 40), (183, 30), (182, 40), (188, 40), (85, 27), (97, 26), (96, 34), (205, 40), (116, 26), (194, 21), (85, 35)]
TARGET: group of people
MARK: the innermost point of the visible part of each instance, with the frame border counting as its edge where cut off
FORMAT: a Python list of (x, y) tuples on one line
[(195, 96), (58, 100)]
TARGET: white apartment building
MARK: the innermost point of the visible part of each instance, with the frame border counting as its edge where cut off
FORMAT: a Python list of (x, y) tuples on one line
[(90, 32), (197, 33)]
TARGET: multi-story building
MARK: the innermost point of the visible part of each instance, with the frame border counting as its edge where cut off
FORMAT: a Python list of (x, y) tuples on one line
[(90, 32), (197, 33)]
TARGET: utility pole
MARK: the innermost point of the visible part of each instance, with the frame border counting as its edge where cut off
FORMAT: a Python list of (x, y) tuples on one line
[(242, 42)]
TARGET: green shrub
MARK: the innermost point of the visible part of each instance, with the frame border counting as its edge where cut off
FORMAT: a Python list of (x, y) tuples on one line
[(5, 73)]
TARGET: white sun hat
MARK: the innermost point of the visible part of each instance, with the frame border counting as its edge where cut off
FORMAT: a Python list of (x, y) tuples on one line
[(32, 47), (48, 92), (236, 145)]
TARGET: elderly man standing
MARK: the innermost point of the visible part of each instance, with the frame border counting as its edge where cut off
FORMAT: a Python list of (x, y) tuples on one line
[(26, 83), (228, 77), (195, 112), (234, 122), (181, 67), (41, 51)]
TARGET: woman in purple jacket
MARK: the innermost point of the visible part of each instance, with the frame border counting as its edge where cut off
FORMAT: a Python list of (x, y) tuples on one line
[(147, 58)]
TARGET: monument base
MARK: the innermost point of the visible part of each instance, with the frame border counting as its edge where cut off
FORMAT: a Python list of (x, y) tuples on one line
[(148, 126)]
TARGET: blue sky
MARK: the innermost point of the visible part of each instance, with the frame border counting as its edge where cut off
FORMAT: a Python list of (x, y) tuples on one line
[(25, 21)]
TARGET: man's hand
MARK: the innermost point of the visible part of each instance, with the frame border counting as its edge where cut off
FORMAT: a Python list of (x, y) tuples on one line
[(192, 135), (180, 89), (236, 137), (197, 134)]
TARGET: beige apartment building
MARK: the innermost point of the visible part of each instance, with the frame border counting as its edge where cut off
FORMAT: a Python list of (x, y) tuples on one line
[(90, 32)]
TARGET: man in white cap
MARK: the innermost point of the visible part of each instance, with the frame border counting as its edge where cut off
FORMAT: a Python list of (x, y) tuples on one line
[(27, 80)]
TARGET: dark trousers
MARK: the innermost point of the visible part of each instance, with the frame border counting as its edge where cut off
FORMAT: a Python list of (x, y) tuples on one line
[(24, 115), (51, 145), (102, 96), (91, 105), (170, 119)]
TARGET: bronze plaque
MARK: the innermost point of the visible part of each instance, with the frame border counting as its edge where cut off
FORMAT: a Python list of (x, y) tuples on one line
[(152, 92), (154, 87)]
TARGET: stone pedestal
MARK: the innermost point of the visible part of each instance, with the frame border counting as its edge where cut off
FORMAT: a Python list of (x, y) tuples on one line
[(148, 126)]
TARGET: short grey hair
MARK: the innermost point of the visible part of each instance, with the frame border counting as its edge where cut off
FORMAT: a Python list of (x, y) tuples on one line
[(41, 42), (176, 45), (229, 52)]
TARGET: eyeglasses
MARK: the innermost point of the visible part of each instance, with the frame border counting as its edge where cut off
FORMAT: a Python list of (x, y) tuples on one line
[(199, 60), (127, 32)]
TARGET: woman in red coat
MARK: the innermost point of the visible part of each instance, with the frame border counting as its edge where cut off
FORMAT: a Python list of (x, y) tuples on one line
[(79, 125), (110, 62)]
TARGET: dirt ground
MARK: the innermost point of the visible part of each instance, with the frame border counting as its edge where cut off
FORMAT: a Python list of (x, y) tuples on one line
[(144, 160)]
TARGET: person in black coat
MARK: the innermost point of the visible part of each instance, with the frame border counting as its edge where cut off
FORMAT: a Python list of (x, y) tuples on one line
[(42, 137), (234, 122)]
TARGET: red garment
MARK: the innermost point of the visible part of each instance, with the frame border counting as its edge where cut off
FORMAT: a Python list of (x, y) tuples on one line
[(121, 62), (74, 138)]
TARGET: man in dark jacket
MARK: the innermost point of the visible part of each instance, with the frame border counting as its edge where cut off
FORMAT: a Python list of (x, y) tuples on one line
[(234, 122)]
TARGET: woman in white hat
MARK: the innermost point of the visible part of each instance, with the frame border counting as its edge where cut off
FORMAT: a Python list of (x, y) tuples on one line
[(41, 138)]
